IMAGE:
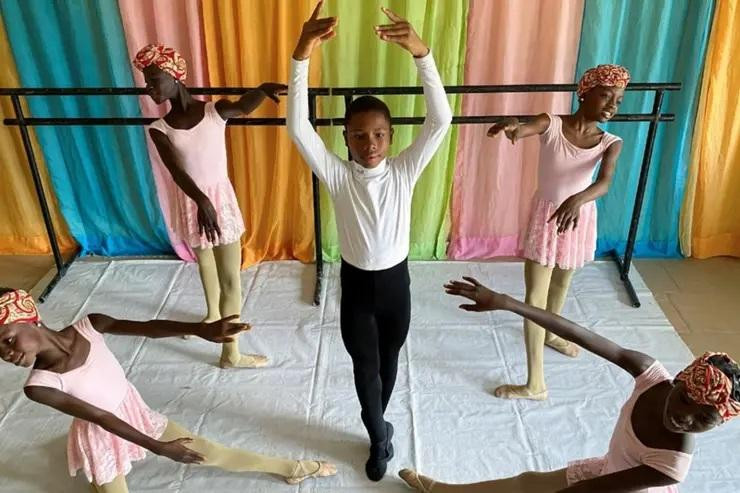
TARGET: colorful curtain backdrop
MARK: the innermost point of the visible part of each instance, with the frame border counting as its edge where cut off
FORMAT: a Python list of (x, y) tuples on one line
[(176, 23), (101, 175), (659, 40), (248, 43), (511, 42), (356, 57), (710, 218), (22, 229)]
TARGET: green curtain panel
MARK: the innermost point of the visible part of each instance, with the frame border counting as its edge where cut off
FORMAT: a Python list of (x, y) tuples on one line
[(356, 57)]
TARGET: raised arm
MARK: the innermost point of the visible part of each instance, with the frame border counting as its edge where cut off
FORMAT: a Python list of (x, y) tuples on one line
[(484, 299), (439, 114), (219, 331), (207, 217), (326, 165), (65, 403), (251, 100), (515, 130)]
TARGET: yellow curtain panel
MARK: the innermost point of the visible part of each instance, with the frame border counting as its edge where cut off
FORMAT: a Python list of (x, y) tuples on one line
[(22, 228), (248, 43), (710, 222)]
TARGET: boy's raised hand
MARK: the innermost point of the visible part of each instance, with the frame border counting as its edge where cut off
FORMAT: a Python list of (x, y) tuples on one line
[(402, 33), (314, 32)]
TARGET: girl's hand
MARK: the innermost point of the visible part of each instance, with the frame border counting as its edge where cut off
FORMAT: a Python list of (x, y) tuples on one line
[(272, 90), (315, 31), (484, 298), (567, 214), (177, 451), (510, 126), (208, 220), (222, 330), (402, 33)]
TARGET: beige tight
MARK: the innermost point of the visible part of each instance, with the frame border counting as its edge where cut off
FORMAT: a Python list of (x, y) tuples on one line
[(547, 288), (220, 274), (528, 482), (228, 459)]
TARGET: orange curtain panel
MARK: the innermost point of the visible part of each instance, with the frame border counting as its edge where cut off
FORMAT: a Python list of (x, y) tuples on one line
[(22, 228), (710, 219), (248, 43)]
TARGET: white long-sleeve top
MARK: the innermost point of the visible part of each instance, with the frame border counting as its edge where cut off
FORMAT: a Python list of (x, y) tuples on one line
[(373, 206)]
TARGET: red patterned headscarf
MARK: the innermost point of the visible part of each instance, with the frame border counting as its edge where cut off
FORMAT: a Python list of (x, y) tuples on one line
[(707, 384), (164, 57), (18, 306), (603, 75)]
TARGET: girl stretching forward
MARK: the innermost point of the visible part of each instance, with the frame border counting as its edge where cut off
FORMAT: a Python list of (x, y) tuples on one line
[(561, 235), (75, 373), (651, 447), (191, 140), (372, 198)]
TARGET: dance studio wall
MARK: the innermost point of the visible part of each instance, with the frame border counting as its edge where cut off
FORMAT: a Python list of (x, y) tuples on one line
[(101, 175), (476, 192), (659, 40), (710, 218), (22, 227)]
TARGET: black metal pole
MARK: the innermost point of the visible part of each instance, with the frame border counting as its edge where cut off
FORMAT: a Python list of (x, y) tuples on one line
[(625, 265), (39, 186), (316, 193), (318, 122)]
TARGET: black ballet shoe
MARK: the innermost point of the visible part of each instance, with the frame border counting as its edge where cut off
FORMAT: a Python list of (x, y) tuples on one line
[(380, 454)]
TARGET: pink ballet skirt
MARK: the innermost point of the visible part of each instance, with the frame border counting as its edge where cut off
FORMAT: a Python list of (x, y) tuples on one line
[(103, 456), (570, 250), (223, 198)]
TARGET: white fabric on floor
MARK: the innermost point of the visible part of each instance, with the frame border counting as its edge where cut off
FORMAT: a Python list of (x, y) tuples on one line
[(448, 425)]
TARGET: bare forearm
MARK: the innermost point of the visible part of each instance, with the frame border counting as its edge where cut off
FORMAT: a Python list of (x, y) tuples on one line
[(187, 185), (154, 329), (115, 425), (631, 361), (592, 192), (251, 100), (558, 325)]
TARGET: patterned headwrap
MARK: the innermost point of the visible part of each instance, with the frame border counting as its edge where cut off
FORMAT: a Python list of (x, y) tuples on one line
[(603, 75), (707, 384), (18, 306), (164, 57)]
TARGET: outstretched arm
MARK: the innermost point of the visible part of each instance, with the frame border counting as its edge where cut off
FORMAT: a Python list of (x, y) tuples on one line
[(65, 403), (485, 299), (251, 100), (439, 114), (515, 130), (219, 331), (326, 165)]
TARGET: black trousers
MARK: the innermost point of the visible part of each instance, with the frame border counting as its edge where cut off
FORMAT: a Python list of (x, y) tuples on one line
[(375, 317)]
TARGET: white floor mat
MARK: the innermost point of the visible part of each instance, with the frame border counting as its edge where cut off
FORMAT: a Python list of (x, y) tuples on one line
[(448, 425)]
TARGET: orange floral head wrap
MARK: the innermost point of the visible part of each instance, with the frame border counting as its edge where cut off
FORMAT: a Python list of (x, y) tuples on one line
[(603, 75), (18, 306), (164, 57), (707, 384)]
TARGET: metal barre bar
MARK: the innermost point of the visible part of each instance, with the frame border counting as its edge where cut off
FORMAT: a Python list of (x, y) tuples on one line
[(325, 91), (321, 122)]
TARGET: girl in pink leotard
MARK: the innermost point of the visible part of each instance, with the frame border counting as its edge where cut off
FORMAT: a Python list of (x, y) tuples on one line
[(561, 235), (74, 372), (651, 447)]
